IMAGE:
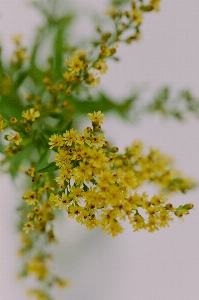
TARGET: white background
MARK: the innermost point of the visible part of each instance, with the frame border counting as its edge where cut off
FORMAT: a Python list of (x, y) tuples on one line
[(141, 266)]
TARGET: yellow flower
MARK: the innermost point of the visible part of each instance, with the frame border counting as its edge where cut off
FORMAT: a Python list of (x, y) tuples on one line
[(70, 137), (65, 172), (62, 157), (30, 114), (13, 120), (28, 226), (137, 16), (97, 141), (152, 224), (16, 138), (98, 182), (101, 66), (129, 179), (81, 173), (74, 64), (83, 138), (69, 76), (105, 51), (37, 267), (108, 216), (159, 200), (96, 117), (155, 5), (92, 80), (31, 172), (56, 201), (2, 123), (136, 149), (76, 193), (164, 218), (138, 222), (74, 211), (30, 198), (97, 158), (65, 200), (38, 294), (55, 141), (113, 228), (80, 53)]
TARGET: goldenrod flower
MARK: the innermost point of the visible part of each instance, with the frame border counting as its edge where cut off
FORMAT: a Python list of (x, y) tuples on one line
[(30, 114), (105, 51), (137, 16), (16, 138), (36, 266), (81, 53), (101, 66), (2, 123), (28, 226), (155, 5), (31, 171), (92, 80), (13, 120), (56, 141), (70, 137), (98, 141), (38, 294), (96, 117), (101, 183), (70, 77), (30, 197), (74, 64)]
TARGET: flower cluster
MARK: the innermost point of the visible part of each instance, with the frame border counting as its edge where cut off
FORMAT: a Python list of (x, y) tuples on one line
[(30, 114), (15, 138), (2, 123), (98, 186), (80, 69), (37, 233), (83, 67), (19, 54)]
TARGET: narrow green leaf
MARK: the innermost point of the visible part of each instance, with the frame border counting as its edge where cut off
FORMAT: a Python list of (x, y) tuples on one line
[(49, 168), (43, 159)]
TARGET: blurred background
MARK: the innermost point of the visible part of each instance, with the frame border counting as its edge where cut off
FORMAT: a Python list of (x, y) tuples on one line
[(141, 266)]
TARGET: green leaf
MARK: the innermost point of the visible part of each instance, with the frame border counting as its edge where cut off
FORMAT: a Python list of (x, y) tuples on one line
[(10, 106), (58, 51), (49, 168), (85, 188), (43, 159)]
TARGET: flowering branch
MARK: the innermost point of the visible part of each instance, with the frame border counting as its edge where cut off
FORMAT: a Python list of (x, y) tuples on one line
[(79, 171)]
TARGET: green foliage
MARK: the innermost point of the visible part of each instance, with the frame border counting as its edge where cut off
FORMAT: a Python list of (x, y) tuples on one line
[(49, 168)]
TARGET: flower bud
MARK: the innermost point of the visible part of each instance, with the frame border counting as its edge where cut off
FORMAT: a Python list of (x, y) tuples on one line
[(27, 129), (169, 206), (36, 209), (106, 144), (13, 120), (6, 137), (88, 129), (188, 206), (114, 149), (97, 128)]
